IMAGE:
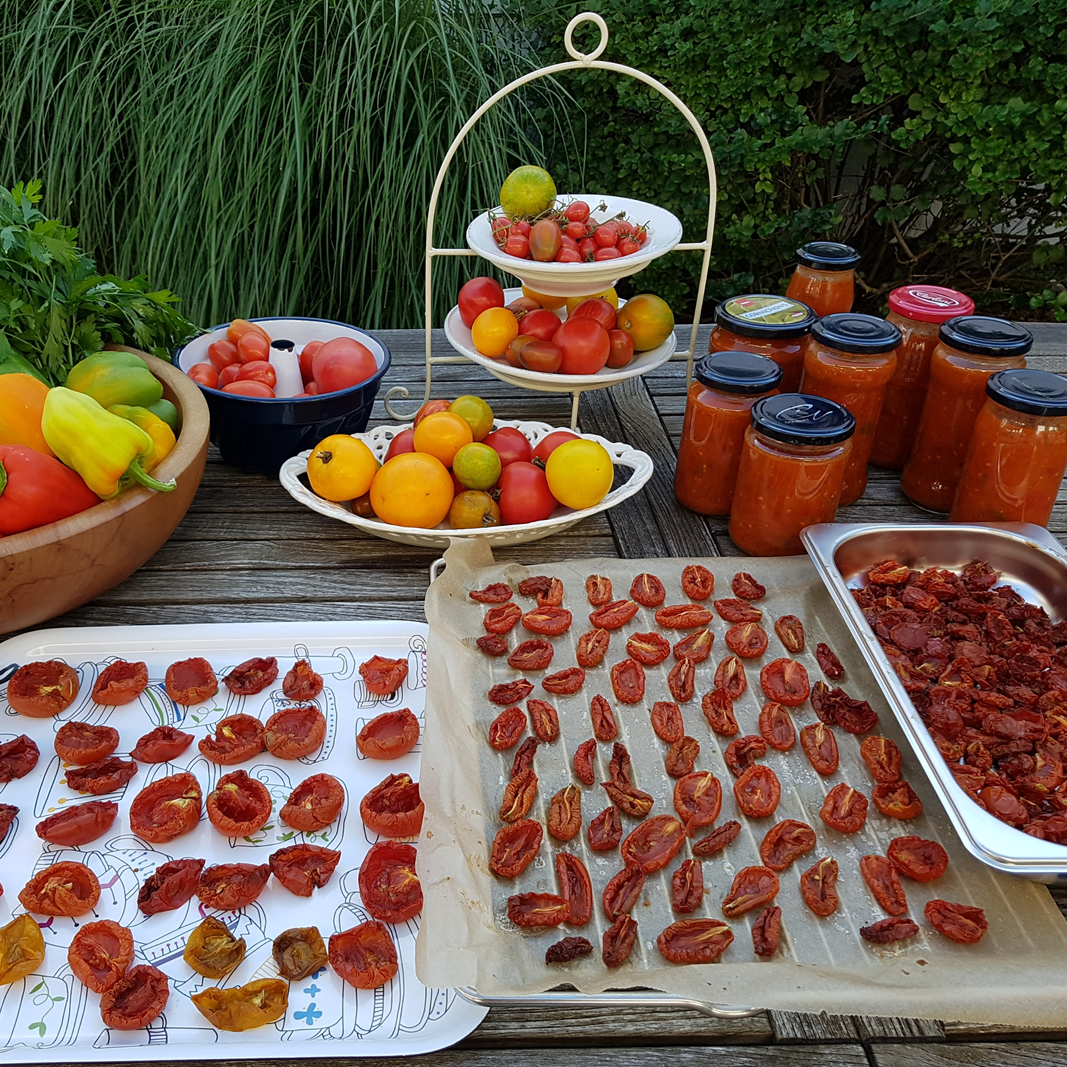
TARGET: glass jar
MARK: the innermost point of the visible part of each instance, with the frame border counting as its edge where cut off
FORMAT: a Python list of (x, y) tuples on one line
[(717, 413), (825, 277), (768, 325), (969, 350), (918, 311), (1018, 452), (850, 358), (791, 471)]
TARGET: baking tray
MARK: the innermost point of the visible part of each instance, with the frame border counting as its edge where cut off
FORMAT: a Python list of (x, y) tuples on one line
[(50, 1016), (1029, 559)]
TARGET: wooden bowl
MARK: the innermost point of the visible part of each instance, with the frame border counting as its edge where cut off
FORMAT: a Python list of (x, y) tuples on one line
[(49, 570)]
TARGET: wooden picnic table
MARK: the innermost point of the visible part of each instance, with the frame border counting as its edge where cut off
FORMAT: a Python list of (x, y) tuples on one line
[(247, 552)]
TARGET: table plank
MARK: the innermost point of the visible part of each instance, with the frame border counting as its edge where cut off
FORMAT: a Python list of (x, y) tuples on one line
[(1001, 1053)]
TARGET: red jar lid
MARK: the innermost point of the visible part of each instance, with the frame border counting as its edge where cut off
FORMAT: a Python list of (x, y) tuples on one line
[(929, 303)]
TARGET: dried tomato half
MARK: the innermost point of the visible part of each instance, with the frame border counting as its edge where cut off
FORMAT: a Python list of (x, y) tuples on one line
[(212, 950), (598, 590), (100, 953), (648, 648), (790, 631), (765, 932), (364, 956), (21, 948), (583, 762), (612, 616), (959, 922), (544, 720), (550, 620), (918, 859), (535, 585), (629, 798), (229, 886), (695, 646), (592, 648), (575, 887), (818, 887), (120, 683), (383, 676), (694, 941), (301, 682), (161, 745), (299, 952), (667, 721), (42, 689), (502, 620), (314, 803), (682, 617), (532, 655), (65, 888), (604, 726), (303, 868), (746, 587), (718, 709), (492, 644), (730, 677), (252, 676), (519, 796), (785, 681), (18, 757), (737, 610), (653, 844), (568, 950), (7, 817), (506, 729), (81, 742), (881, 876), (777, 727), (618, 941), (390, 735), (507, 693), (524, 757), (191, 681), (240, 1008), (682, 680), (820, 746), (628, 681), (747, 640), (565, 682), (135, 999), (844, 809), (605, 830), (698, 583), (718, 839), (882, 757), (537, 909), (758, 791), (552, 596), (78, 824), (753, 887), (886, 931), (831, 665), (622, 892), (393, 808), (697, 799), (237, 738), (897, 800), (682, 756), (167, 808), (292, 733), (687, 887), (743, 752), (239, 805), (514, 847), (494, 593), (565, 813), (169, 886), (785, 842), (647, 589), (889, 573)]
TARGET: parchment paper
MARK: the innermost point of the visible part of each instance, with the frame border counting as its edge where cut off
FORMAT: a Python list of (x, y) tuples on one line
[(1016, 975)]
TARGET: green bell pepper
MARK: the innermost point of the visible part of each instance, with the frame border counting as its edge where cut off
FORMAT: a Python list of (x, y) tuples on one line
[(115, 378), (165, 410)]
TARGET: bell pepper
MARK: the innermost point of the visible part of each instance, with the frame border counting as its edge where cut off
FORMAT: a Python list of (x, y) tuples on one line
[(162, 435), (108, 452), (165, 410), (21, 405), (36, 489), (115, 378)]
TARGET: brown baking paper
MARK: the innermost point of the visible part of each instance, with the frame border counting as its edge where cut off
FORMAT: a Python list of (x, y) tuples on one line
[(1015, 976)]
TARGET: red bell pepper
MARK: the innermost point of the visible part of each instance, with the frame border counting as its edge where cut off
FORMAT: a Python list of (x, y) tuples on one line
[(36, 489)]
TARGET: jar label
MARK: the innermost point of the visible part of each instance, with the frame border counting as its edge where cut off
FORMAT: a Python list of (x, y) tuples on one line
[(766, 309), (937, 300)]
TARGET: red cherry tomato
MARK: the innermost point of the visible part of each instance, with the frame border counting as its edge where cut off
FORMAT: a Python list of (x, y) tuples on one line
[(307, 354), (568, 241), (403, 442), (522, 228), (596, 308), (606, 236), (577, 211), (627, 246), (574, 230), (222, 354), (541, 324), (568, 255), (253, 389), (431, 407), (478, 295), (204, 374), (253, 346), (585, 346), (548, 444), (541, 356), (259, 370), (228, 374), (341, 364), (622, 349), (517, 245), (524, 494), (587, 249), (511, 445), (607, 253)]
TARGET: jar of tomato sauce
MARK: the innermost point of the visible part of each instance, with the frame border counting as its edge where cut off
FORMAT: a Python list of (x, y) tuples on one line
[(1018, 452), (791, 471), (850, 358), (717, 413), (970, 349), (918, 311), (768, 325), (825, 277)]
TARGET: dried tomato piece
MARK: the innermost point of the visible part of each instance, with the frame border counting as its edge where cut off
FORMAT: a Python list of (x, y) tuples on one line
[(790, 631), (313, 804), (667, 721), (212, 950), (897, 800), (519, 795), (653, 844), (21, 948), (237, 738), (718, 709), (647, 589), (747, 639), (628, 681), (535, 585), (889, 573), (78, 824), (191, 681), (364, 955), (885, 931), (240, 1008), (605, 830), (682, 756), (42, 689), (765, 932), (100, 953), (687, 887), (568, 950), (698, 583), (618, 942), (695, 646), (697, 799), (959, 922), (169, 886), (785, 842), (743, 752), (393, 808), (299, 952), (494, 593), (612, 616), (746, 587), (532, 655), (390, 735), (575, 888), (918, 859), (592, 648), (881, 876), (544, 720), (492, 645), (18, 757), (301, 682), (882, 757), (753, 887), (120, 683), (598, 590), (506, 729), (136, 999), (229, 886), (583, 762), (388, 885), (785, 681), (524, 757), (730, 677), (855, 716), (694, 941), (565, 813), (620, 768), (630, 799), (64, 888), (1002, 803), (252, 676), (565, 682), (293, 733), (758, 791), (239, 805), (718, 839), (552, 596), (648, 648), (818, 886), (622, 892), (831, 665), (733, 610), (682, 680), (167, 808), (683, 616), (604, 727), (776, 726), (537, 909), (502, 620), (844, 809), (515, 847), (7, 817), (81, 742), (820, 746), (550, 620), (161, 745), (383, 676), (303, 868)]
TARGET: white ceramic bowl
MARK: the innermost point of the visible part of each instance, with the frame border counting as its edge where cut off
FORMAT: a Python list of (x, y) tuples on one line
[(378, 439), (581, 279)]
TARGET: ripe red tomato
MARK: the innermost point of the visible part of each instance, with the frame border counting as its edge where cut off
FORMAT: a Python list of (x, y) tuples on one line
[(541, 324), (222, 354), (606, 236), (568, 241), (568, 255), (431, 407), (204, 374), (228, 374), (543, 356), (258, 370), (253, 346), (478, 295), (550, 442), (518, 246), (585, 346), (574, 230), (524, 494), (622, 349), (607, 253), (597, 308), (253, 389), (341, 364), (307, 354), (511, 445), (587, 249), (521, 305), (403, 442), (544, 240), (627, 246), (577, 211)]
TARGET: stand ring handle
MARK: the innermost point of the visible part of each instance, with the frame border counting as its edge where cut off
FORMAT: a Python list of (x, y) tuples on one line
[(585, 16)]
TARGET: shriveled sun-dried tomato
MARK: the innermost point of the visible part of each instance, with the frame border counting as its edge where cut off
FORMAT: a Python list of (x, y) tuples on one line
[(237, 738), (393, 808), (667, 721), (100, 953), (383, 676), (653, 844), (629, 798), (747, 640), (524, 756), (103, 776), (718, 709), (120, 683), (191, 681), (64, 888), (682, 756), (303, 868), (519, 795), (777, 727), (502, 619), (239, 805), (605, 830), (918, 859), (959, 922), (647, 589), (43, 688), (494, 593), (492, 644), (293, 733), (897, 800), (785, 681), (733, 610), (21, 948), (648, 648), (252, 676), (388, 885), (299, 952), (746, 587), (790, 631), (820, 746), (882, 757), (506, 729), (753, 887), (161, 745), (681, 680), (885, 931), (730, 677), (698, 583), (514, 847), (785, 842), (544, 720), (618, 941), (565, 813), (508, 693), (136, 998), (535, 585), (614, 615), (881, 877), (18, 757), (697, 799), (694, 941), (552, 596), (390, 735), (844, 809), (604, 726), (831, 665), (583, 762), (765, 932), (301, 682), (695, 646), (167, 808), (598, 590), (743, 752), (549, 620), (758, 791), (568, 950), (537, 909), (718, 839), (592, 648), (364, 955), (628, 681), (212, 950), (246, 1007), (7, 817), (687, 887), (314, 803), (169, 886), (564, 683), (229, 886), (575, 887), (818, 886), (532, 655), (683, 616), (78, 824)]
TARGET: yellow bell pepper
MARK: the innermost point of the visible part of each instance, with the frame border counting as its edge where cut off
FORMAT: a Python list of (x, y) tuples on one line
[(162, 435)]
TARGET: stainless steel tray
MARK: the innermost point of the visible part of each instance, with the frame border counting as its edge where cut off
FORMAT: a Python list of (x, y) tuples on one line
[(1034, 563)]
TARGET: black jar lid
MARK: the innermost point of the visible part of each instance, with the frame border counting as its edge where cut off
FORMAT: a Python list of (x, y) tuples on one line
[(828, 255), (764, 315), (799, 419), (985, 336), (849, 331), (745, 373), (1033, 392)]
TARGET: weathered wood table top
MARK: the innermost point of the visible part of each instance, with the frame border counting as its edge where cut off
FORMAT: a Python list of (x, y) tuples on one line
[(247, 552)]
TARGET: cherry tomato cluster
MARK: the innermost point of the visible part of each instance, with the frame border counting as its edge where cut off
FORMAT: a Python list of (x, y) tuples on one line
[(240, 364), (569, 234)]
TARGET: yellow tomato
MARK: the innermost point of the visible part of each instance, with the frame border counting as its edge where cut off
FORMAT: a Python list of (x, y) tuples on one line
[(608, 294), (412, 489), (648, 320), (549, 302), (442, 435), (579, 473), (476, 466), (493, 330), (474, 410), (341, 468), (473, 510)]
